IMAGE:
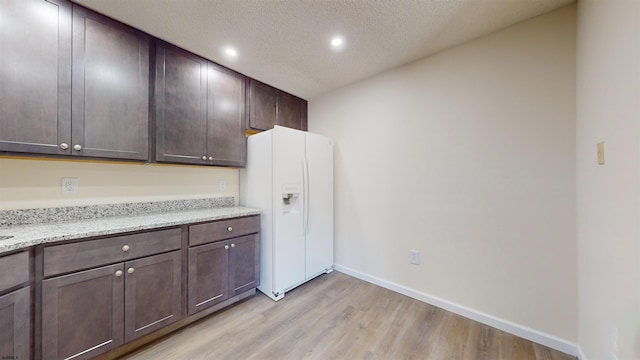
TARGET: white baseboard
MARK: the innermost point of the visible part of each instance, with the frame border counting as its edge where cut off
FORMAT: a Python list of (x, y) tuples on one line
[(504, 325), (581, 355)]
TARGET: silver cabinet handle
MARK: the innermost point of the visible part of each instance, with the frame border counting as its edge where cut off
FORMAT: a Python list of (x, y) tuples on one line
[(210, 158), (77, 147), (204, 157), (64, 146), (131, 270), (233, 245), (125, 247), (226, 247), (118, 273), (229, 228)]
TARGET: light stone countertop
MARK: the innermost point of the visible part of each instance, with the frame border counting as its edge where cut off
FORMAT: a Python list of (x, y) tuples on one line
[(24, 236)]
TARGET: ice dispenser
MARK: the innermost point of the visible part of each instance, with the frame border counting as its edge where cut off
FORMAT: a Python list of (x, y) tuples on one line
[(290, 199)]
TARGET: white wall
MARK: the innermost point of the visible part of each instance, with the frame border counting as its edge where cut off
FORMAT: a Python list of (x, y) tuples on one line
[(469, 157), (34, 183), (608, 211)]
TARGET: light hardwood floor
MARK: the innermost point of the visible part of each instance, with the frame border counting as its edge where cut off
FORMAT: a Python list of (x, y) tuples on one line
[(339, 317)]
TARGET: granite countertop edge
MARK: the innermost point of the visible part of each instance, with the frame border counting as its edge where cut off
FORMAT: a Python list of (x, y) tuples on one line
[(25, 236)]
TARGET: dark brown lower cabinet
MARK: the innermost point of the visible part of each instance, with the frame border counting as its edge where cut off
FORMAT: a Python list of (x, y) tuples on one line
[(15, 324), (93, 311), (208, 274), (92, 296), (222, 269), (244, 264), (83, 313), (152, 294)]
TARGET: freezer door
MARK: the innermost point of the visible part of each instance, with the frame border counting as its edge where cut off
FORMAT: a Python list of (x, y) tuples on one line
[(288, 199), (319, 210)]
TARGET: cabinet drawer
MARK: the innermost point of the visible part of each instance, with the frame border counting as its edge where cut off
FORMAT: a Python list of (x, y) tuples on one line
[(223, 229), (14, 269), (86, 254)]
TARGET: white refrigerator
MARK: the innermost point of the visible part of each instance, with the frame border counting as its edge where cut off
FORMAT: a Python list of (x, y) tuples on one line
[(289, 176)]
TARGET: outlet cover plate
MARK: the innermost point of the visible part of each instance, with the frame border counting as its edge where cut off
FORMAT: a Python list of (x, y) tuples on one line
[(69, 185), (414, 257)]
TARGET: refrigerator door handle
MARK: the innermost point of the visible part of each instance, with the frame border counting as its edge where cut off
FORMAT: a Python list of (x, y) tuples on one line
[(305, 177)]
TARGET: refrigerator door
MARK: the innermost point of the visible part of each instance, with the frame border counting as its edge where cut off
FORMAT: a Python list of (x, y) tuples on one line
[(288, 209), (319, 209)]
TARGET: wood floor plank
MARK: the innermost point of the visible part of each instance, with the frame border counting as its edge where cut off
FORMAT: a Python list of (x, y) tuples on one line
[(411, 329), (481, 342), (339, 317), (545, 353)]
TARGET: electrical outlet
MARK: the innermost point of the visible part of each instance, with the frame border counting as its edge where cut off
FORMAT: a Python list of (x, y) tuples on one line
[(414, 257), (69, 185), (222, 185)]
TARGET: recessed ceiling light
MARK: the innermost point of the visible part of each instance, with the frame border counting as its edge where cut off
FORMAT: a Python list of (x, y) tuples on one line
[(336, 41), (231, 52)]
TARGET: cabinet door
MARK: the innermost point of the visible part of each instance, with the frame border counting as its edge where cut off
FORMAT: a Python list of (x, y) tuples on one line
[(292, 112), (82, 313), (244, 264), (110, 88), (153, 289), (35, 80), (181, 106), (227, 144), (15, 324), (263, 101), (208, 275)]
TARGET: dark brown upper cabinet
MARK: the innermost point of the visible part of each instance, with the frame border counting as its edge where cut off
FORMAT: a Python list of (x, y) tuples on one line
[(225, 117), (35, 80), (110, 99), (199, 109), (103, 112), (76, 83), (263, 106), (269, 106), (180, 106), (292, 112)]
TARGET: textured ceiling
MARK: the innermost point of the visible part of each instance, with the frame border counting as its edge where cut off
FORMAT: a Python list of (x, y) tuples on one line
[(285, 43)]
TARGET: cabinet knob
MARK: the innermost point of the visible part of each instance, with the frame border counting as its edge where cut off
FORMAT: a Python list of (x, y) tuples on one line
[(233, 245), (125, 248), (64, 146), (226, 247), (229, 228), (204, 157), (77, 147), (118, 273), (131, 270), (210, 158)]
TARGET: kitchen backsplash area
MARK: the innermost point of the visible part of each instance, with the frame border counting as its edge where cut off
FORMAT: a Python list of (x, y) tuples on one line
[(37, 183)]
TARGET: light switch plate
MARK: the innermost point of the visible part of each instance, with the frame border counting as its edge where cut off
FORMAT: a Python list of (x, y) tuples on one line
[(601, 153)]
